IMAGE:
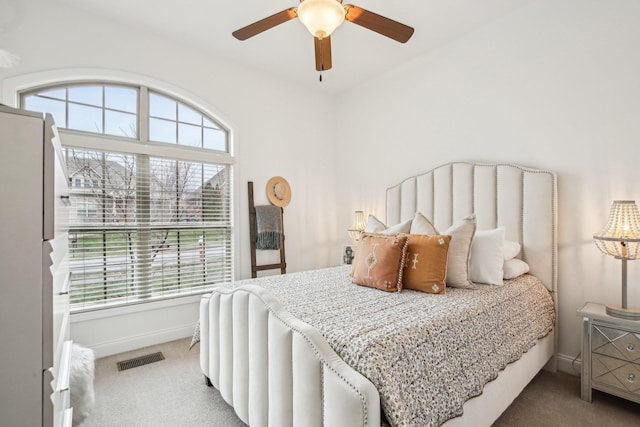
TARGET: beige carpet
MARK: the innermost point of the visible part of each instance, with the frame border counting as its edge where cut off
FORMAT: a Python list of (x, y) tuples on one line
[(553, 399), (172, 392)]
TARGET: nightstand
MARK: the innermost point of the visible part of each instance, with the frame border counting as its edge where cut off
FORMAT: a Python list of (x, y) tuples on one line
[(610, 354)]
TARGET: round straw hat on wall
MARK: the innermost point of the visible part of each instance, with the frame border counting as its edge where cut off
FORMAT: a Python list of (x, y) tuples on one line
[(278, 191)]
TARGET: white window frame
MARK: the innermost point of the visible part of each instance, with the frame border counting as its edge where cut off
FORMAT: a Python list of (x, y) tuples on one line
[(12, 88)]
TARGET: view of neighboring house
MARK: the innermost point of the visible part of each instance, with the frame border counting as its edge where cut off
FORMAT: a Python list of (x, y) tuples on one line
[(121, 223)]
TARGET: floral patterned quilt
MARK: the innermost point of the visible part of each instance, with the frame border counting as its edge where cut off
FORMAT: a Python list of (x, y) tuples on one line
[(426, 354)]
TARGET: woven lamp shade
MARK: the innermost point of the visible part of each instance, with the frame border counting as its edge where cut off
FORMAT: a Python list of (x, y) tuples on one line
[(359, 223), (621, 237)]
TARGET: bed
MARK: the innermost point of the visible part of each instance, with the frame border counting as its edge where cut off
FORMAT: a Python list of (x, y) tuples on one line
[(274, 355)]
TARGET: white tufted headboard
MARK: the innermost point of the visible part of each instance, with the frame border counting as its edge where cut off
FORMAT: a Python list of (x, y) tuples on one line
[(521, 199)]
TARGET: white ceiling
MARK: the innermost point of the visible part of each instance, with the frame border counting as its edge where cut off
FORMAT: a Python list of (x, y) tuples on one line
[(287, 50)]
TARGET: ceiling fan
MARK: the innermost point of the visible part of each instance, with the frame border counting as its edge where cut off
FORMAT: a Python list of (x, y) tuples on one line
[(322, 17)]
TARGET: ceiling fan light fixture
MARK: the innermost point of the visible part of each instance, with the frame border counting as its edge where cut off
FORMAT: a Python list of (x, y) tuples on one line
[(321, 17)]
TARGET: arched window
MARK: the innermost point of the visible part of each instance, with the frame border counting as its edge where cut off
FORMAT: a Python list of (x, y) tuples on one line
[(151, 190)]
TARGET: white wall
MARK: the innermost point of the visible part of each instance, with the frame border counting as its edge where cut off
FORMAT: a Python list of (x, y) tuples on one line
[(554, 86), (270, 120)]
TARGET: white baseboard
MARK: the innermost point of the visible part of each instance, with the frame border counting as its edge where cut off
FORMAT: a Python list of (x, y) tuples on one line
[(569, 364), (119, 329), (134, 342)]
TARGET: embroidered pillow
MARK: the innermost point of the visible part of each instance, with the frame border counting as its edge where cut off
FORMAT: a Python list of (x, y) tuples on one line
[(425, 267), (374, 225), (459, 248), (379, 261)]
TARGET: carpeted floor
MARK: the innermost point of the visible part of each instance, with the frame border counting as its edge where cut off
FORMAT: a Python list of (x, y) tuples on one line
[(172, 393), (553, 399)]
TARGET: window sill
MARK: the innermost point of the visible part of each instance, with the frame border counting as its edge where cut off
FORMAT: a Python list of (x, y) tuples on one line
[(102, 313)]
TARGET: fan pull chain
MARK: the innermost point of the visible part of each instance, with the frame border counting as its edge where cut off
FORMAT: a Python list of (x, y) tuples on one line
[(321, 60)]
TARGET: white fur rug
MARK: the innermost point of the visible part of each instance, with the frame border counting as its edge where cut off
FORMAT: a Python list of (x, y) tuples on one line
[(81, 382)]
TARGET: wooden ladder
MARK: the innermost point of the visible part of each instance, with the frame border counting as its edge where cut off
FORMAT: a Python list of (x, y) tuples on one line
[(282, 265)]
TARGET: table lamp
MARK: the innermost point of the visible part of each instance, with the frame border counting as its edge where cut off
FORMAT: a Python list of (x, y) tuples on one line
[(356, 229), (621, 239)]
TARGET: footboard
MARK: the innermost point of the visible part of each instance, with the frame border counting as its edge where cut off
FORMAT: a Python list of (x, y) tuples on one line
[(276, 370)]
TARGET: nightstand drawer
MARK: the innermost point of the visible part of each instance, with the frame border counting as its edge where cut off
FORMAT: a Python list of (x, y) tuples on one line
[(610, 354), (613, 372), (615, 343)]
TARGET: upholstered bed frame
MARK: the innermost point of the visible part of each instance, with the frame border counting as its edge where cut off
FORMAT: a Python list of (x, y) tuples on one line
[(276, 370)]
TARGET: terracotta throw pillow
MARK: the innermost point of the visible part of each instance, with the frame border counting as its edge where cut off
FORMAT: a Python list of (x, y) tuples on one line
[(375, 226), (380, 261), (425, 267), (461, 233)]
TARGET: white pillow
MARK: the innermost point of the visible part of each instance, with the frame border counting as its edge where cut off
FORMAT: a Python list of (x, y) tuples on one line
[(374, 225), (487, 257), (421, 225), (515, 267), (511, 249), (461, 234)]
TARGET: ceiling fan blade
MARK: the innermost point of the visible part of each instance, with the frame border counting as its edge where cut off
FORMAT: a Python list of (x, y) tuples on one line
[(378, 23), (265, 24), (323, 53)]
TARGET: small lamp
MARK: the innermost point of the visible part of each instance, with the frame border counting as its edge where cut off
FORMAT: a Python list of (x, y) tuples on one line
[(621, 239), (355, 232)]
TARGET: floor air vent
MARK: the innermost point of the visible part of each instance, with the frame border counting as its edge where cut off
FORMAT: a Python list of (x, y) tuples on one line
[(139, 361)]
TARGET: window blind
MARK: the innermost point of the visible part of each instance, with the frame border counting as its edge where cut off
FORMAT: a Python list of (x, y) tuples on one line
[(145, 227)]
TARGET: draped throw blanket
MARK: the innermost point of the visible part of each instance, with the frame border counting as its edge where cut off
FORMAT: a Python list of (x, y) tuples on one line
[(268, 227)]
